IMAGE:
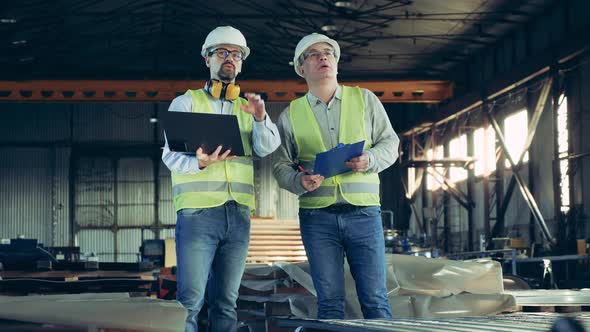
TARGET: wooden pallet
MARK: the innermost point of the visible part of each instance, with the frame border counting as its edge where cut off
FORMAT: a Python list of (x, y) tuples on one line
[(273, 241)]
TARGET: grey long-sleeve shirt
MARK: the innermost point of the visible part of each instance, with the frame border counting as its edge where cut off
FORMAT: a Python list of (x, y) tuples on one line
[(380, 133)]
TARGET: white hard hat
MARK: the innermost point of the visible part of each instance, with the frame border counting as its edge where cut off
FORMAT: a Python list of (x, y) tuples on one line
[(309, 40), (225, 35)]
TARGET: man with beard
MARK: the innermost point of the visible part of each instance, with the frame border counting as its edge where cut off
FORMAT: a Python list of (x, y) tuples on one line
[(214, 190), (338, 216)]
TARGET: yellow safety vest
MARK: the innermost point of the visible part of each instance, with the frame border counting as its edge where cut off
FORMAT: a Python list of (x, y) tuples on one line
[(211, 186), (356, 188)]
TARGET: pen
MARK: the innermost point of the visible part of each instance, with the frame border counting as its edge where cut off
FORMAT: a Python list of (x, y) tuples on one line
[(300, 168)]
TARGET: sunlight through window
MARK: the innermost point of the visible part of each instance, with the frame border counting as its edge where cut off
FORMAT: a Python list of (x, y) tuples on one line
[(433, 182), (484, 141), (458, 149), (563, 151), (515, 133)]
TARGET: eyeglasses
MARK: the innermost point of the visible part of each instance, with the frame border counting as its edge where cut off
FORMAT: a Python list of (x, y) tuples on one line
[(223, 53), (317, 55)]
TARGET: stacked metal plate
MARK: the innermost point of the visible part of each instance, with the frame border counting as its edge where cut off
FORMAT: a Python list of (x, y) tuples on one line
[(530, 322), (552, 297)]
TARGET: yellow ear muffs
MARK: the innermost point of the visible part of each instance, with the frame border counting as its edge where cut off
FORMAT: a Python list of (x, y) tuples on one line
[(232, 91), (221, 90), (214, 88)]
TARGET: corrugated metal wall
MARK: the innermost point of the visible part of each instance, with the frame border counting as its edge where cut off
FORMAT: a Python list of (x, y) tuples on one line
[(167, 233), (518, 216), (166, 211), (26, 176), (35, 187), (478, 212), (459, 222), (34, 123), (110, 122), (272, 201), (264, 182), (128, 243), (108, 190), (60, 198), (115, 195), (285, 203), (135, 192), (94, 192), (101, 242)]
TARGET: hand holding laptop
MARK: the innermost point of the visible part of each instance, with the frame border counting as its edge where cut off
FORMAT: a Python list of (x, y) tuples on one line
[(186, 132), (208, 159)]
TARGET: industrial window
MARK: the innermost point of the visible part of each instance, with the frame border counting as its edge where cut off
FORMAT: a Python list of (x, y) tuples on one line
[(563, 152), (458, 149), (434, 178), (484, 141), (515, 133), (114, 206)]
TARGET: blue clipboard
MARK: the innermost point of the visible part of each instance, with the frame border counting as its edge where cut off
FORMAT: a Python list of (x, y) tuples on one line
[(332, 162)]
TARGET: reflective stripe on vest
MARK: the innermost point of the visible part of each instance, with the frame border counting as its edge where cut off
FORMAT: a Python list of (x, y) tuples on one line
[(212, 186), (356, 188)]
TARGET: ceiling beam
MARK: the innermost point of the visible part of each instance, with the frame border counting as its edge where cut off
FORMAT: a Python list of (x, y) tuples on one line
[(421, 91)]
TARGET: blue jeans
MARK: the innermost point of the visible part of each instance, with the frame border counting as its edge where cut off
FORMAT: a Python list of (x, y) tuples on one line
[(356, 233), (211, 245)]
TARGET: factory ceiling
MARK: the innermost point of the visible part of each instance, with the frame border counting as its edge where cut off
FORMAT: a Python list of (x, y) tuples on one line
[(380, 40)]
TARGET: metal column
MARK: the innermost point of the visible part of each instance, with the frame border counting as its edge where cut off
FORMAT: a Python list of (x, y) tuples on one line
[(528, 197)]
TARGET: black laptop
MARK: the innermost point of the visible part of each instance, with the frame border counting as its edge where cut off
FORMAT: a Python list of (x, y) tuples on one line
[(186, 132)]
